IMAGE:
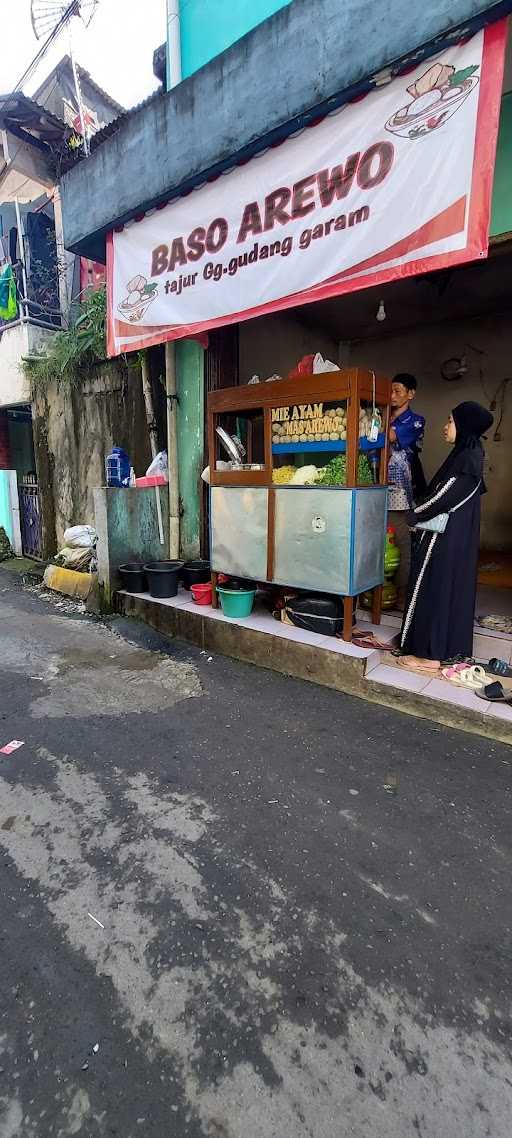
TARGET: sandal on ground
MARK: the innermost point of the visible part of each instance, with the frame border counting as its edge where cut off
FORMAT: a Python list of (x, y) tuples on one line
[(406, 662), (371, 641), (473, 678), (454, 670), (494, 693), (497, 667)]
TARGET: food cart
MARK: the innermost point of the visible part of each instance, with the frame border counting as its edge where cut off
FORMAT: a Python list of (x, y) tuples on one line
[(303, 503)]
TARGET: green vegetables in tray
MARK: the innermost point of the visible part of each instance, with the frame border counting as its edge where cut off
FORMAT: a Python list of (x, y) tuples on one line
[(335, 473)]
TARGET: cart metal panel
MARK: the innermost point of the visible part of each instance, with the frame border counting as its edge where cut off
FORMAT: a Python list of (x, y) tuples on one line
[(239, 516), (312, 539)]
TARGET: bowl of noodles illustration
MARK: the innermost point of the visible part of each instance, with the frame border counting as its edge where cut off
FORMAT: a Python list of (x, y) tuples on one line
[(435, 97), (139, 295)]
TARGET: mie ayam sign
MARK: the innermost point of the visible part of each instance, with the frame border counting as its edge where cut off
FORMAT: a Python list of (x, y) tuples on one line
[(395, 184)]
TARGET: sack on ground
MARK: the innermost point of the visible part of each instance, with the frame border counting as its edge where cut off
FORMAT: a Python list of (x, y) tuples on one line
[(79, 559), (80, 537)]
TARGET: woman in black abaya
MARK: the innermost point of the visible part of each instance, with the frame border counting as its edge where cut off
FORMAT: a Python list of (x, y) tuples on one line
[(440, 608)]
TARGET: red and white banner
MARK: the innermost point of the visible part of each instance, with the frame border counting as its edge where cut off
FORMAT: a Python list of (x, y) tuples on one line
[(396, 184)]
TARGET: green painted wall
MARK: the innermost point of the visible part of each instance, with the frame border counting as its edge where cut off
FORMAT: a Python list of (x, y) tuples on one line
[(190, 386), (501, 218), (208, 27), (5, 504)]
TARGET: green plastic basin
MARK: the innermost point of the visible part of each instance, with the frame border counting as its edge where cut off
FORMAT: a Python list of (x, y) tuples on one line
[(236, 602)]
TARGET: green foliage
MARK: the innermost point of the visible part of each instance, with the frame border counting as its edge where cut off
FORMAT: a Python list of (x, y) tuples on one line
[(335, 473), (68, 354)]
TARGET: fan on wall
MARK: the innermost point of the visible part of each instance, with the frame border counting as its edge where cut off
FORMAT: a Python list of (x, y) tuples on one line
[(49, 17)]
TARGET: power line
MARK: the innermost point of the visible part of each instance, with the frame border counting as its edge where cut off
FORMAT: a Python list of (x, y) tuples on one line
[(71, 10)]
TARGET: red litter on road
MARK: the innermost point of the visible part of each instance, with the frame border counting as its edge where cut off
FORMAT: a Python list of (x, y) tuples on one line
[(12, 746)]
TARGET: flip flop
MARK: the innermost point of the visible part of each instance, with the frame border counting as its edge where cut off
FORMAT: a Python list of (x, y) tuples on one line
[(473, 678), (454, 670), (493, 693), (401, 661), (497, 667), (371, 641)]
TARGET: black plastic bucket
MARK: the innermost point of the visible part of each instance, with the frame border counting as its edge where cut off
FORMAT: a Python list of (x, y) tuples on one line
[(133, 577), (163, 577), (195, 573)]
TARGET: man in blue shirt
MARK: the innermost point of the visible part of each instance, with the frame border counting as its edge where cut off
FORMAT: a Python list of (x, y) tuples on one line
[(405, 472)]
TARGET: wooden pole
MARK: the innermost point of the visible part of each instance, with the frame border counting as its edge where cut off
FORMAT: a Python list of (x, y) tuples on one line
[(153, 432), (149, 405), (172, 450)]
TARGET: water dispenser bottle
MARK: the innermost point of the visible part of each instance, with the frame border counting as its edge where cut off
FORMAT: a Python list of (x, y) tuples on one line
[(117, 467)]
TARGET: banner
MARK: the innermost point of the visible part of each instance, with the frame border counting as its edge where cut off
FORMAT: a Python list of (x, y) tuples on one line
[(395, 184)]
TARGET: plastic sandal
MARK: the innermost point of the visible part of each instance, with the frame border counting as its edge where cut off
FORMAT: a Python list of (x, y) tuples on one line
[(497, 667), (493, 693), (473, 678), (453, 670)]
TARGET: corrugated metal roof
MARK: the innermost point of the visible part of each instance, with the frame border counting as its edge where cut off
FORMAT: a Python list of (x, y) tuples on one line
[(31, 116), (83, 74)]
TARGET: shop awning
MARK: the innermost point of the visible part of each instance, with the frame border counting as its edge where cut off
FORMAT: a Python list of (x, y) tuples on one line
[(394, 184)]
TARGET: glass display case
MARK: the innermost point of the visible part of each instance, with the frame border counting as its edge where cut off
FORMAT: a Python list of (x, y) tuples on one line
[(298, 473)]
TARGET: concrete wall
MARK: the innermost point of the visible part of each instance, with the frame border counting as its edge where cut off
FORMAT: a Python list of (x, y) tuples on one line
[(127, 525), (14, 388), (304, 55), (274, 344), (422, 351), (16, 342), (75, 427)]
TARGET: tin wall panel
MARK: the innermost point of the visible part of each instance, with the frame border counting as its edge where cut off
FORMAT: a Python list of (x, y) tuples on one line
[(369, 538), (313, 539), (239, 530)]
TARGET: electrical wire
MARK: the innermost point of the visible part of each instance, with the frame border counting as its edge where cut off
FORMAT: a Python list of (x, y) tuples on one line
[(72, 10), (501, 394)]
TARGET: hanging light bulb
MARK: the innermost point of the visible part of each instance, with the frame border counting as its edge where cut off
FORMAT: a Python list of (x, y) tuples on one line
[(381, 312)]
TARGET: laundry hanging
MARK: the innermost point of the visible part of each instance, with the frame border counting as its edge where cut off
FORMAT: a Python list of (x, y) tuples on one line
[(8, 304)]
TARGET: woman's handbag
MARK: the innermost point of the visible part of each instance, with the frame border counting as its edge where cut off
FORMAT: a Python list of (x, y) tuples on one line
[(435, 525), (440, 522)]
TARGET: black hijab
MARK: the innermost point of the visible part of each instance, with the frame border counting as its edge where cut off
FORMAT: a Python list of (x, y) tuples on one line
[(467, 454)]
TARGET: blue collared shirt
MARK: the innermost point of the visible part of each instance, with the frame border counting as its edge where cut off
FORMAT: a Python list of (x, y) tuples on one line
[(410, 428)]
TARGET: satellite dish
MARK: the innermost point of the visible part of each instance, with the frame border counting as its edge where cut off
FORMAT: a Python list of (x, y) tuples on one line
[(47, 15)]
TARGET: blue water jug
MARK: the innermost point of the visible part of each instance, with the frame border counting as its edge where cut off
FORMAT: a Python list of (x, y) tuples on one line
[(117, 467)]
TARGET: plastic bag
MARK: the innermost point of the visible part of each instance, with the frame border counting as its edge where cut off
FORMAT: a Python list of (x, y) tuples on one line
[(320, 365), (80, 537), (218, 466), (159, 465), (79, 559)]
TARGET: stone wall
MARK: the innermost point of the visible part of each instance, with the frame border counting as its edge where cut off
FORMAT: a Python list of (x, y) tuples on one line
[(75, 425)]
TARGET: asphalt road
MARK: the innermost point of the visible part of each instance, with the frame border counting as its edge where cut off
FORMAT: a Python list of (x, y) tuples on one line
[(239, 906)]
